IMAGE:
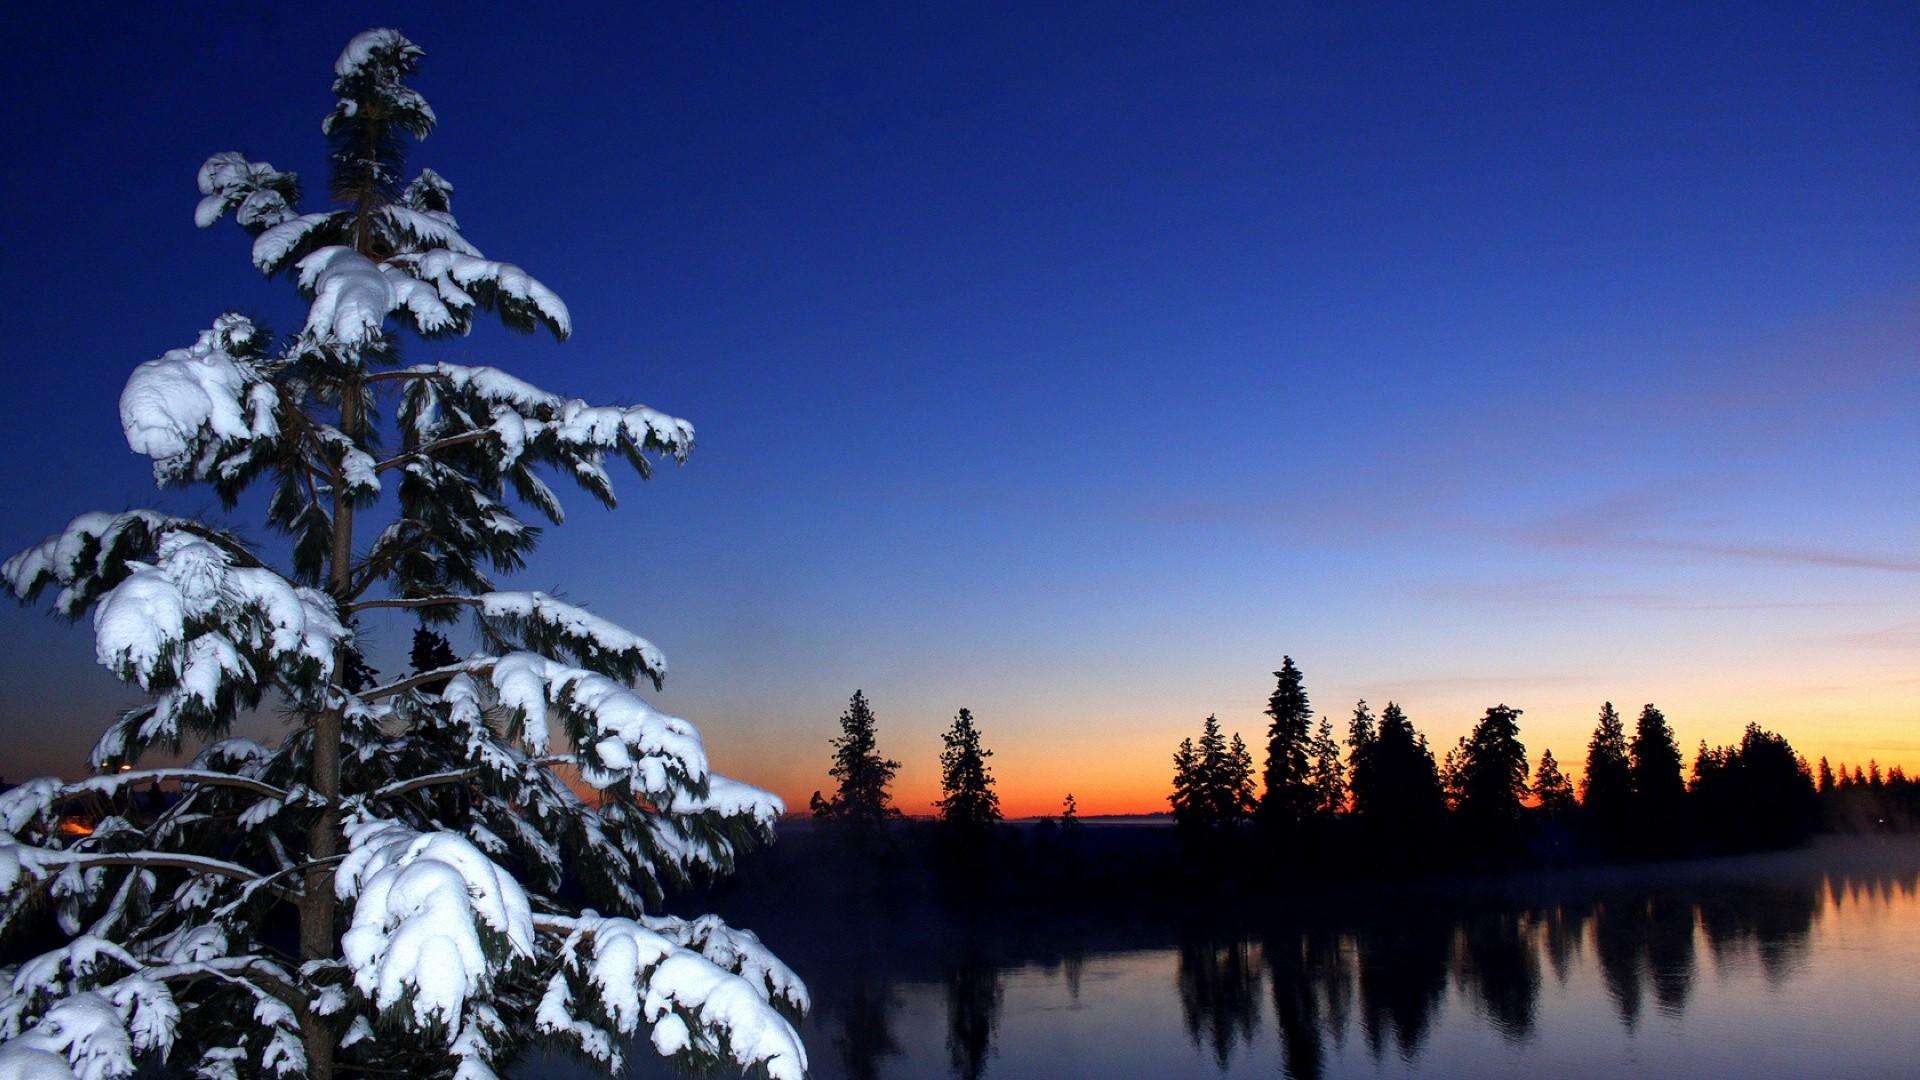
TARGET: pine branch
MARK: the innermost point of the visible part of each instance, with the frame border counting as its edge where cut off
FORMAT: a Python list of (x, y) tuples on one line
[(400, 374), (273, 881), (427, 449), (113, 781), (394, 791), (401, 686), (161, 859), (415, 602), (456, 776), (255, 973), (380, 560)]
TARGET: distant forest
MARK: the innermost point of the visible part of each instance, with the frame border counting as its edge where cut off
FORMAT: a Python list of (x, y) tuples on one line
[(1375, 801)]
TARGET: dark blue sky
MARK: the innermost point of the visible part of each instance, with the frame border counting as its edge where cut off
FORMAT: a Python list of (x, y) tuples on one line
[(1074, 362)]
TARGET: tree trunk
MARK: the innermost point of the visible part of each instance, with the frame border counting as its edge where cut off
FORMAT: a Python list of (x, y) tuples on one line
[(323, 839)]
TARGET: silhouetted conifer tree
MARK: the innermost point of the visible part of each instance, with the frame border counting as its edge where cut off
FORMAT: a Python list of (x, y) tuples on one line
[(1826, 776), (1234, 796), (1659, 789), (1606, 787), (1552, 787), (861, 800), (1329, 774), (1212, 780), (1187, 800), (1396, 792), (431, 651), (1492, 772), (967, 798), (1656, 761), (1362, 735), (1452, 777), (1361, 731), (1288, 796), (1758, 793), (1069, 814)]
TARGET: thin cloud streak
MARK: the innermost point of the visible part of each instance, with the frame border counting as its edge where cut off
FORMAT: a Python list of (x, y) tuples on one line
[(1787, 554), (1563, 592), (1434, 683), (1622, 523), (1906, 636)]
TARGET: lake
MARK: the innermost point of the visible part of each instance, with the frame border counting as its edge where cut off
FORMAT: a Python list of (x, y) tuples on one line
[(1788, 966)]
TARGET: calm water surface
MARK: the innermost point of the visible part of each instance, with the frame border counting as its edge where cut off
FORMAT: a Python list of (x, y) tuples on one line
[(1751, 968)]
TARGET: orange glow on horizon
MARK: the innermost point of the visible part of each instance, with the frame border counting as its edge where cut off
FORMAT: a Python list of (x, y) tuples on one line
[(1035, 768)]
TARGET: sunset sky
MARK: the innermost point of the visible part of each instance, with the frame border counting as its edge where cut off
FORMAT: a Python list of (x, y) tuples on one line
[(1075, 363)]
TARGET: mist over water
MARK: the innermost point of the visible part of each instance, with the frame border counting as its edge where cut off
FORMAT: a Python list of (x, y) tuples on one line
[(1768, 966)]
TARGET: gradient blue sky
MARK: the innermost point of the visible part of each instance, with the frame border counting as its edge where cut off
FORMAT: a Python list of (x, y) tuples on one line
[(1073, 363)]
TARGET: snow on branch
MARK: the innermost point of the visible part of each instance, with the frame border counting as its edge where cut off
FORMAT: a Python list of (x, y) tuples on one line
[(617, 974), (205, 412), (275, 248), (70, 1013), (619, 738), (91, 555), (352, 296), (730, 799), (196, 626), (114, 782), (568, 422), (204, 635), (93, 1035), (412, 227), (740, 952), (435, 922), (493, 427), (258, 195), (545, 625), (464, 281)]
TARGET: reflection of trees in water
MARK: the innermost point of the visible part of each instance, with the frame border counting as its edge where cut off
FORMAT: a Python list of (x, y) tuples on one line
[(973, 1007), (1296, 973), (1669, 924), (1334, 963), (855, 1002), (1219, 982), (1617, 950), (865, 1012), (1402, 978), (1497, 966), (1775, 920), (1643, 941), (1311, 975), (1562, 930), (1389, 969), (1072, 966), (1869, 889)]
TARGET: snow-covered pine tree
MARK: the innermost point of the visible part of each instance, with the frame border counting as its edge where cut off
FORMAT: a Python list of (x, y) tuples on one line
[(387, 888)]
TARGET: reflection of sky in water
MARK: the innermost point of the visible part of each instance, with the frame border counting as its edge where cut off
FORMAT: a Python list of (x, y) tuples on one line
[(1710, 970)]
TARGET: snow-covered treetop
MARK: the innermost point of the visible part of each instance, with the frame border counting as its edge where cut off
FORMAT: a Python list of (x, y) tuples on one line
[(367, 79)]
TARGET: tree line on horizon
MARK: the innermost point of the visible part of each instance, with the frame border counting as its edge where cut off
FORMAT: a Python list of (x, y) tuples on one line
[(1382, 792)]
